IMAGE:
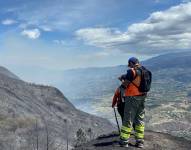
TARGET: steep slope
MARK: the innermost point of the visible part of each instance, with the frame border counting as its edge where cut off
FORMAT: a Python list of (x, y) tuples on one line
[(153, 141), (29, 112), (6, 72)]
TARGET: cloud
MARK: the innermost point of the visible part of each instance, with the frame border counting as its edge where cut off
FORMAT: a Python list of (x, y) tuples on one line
[(32, 34), (54, 15), (64, 15), (102, 37), (8, 22), (169, 29)]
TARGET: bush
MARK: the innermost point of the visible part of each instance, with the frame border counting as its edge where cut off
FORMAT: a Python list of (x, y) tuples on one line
[(81, 138)]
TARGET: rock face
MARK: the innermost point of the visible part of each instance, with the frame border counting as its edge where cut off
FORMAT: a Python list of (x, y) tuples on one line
[(40, 116), (153, 141)]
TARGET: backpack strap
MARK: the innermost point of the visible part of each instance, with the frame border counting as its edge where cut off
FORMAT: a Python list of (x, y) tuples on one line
[(134, 73), (127, 82)]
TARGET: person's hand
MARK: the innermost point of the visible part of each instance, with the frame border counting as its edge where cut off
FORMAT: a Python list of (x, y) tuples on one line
[(122, 77), (113, 106)]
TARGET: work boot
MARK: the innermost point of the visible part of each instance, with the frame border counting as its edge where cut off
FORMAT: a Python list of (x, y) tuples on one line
[(123, 143), (139, 143)]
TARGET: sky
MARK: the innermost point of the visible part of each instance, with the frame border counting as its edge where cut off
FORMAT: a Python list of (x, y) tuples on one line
[(40, 39)]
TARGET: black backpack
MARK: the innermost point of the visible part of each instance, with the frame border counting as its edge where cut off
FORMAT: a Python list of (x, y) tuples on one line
[(146, 79)]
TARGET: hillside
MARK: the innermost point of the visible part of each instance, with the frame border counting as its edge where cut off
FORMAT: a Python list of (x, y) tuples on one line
[(7, 73), (170, 60), (168, 104), (29, 112), (153, 141)]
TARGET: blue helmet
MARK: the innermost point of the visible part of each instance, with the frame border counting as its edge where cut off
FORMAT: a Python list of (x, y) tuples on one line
[(133, 60)]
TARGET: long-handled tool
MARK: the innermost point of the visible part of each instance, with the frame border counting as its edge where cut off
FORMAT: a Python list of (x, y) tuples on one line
[(116, 120)]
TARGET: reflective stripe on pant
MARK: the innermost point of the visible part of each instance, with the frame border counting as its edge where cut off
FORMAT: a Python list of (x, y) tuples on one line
[(139, 131), (125, 133), (133, 113)]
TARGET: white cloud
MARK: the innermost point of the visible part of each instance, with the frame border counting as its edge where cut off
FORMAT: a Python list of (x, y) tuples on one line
[(169, 29), (101, 37), (8, 22), (62, 16), (32, 34)]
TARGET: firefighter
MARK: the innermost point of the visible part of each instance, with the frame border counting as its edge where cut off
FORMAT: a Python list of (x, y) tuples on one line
[(134, 107)]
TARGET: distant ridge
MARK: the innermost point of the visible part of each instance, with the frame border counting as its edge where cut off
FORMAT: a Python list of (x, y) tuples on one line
[(170, 60)]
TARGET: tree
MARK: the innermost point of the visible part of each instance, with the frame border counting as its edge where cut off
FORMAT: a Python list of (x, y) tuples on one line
[(67, 140), (90, 133), (37, 137)]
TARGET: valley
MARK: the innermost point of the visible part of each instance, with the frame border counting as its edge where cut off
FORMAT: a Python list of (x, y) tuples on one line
[(168, 104)]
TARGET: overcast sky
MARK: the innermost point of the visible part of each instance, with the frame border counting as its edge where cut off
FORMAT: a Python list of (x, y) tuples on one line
[(54, 35)]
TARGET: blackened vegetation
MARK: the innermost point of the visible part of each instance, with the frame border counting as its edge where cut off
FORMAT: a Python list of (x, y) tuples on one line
[(39, 117)]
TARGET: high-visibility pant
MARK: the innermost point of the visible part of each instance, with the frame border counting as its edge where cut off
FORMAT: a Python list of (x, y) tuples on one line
[(134, 112)]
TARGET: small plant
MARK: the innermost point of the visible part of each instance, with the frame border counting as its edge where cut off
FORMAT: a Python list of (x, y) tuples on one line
[(81, 137)]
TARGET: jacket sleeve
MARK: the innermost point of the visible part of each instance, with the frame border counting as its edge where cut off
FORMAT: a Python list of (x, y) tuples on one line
[(115, 97)]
